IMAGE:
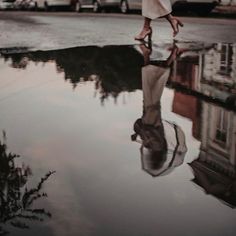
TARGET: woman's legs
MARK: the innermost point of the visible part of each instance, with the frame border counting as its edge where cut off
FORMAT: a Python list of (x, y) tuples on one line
[(146, 31), (175, 23)]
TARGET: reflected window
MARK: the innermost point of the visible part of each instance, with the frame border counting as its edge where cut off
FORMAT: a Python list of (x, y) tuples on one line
[(221, 128), (226, 59)]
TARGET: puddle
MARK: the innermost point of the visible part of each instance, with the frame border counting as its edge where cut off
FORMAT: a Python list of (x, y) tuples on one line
[(141, 137)]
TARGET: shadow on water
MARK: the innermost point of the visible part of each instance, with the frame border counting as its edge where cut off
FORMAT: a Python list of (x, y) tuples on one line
[(16, 200), (203, 79)]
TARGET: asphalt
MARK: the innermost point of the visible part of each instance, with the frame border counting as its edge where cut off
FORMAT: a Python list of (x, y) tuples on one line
[(56, 30)]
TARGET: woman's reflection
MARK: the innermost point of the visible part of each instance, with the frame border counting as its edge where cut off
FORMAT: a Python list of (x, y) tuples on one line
[(162, 143)]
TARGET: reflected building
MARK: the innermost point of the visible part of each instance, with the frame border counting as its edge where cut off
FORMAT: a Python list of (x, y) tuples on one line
[(219, 64), (215, 127), (215, 168), (208, 71), (219, 73), (190, 107), (218, 134), (212, 71)]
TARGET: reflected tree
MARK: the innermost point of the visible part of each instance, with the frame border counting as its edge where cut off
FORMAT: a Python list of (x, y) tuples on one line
[(114, 69), (16, 201)]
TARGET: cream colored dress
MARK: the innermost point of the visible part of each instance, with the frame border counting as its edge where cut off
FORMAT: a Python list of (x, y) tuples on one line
[(153, 9), (154, 79), (156, 130)]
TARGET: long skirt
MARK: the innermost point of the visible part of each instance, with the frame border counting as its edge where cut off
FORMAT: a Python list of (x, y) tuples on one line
[(154, 79), (153, 9)]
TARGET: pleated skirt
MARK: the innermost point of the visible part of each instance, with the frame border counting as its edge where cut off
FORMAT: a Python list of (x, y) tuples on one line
[(153, 9)]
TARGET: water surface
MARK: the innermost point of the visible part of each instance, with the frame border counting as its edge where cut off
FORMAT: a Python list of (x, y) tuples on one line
[(131, 157)]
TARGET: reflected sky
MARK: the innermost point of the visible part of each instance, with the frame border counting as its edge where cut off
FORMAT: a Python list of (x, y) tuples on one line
[(74, 110)]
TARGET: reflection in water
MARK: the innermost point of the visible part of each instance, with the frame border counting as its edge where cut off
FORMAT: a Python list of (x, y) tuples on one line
[(213, 74), (16, 201), (106, 66), (209, 73), (162, 143), (204, 71), (204, 81), (215, 168)]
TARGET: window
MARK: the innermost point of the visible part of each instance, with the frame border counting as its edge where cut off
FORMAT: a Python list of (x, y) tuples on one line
[(221, 128), (226, 59)]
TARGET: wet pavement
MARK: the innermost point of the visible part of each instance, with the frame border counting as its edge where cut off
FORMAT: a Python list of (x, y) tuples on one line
[(58, 30), (142, 139)]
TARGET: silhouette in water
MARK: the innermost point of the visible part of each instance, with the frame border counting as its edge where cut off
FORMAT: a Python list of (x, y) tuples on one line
[(16, 201), (162, 143), (115, 69)]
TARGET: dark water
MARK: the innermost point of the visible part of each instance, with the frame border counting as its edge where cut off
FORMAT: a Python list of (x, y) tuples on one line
[(142, 141)]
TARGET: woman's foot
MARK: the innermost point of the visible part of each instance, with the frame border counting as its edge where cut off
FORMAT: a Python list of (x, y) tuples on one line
[(146, 32), (175, 52), (146, 51), (179, 51), (175, 23)]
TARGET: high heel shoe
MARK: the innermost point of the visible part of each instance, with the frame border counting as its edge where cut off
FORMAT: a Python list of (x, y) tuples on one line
[(142, 36), (146, 51), (175, 25)]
